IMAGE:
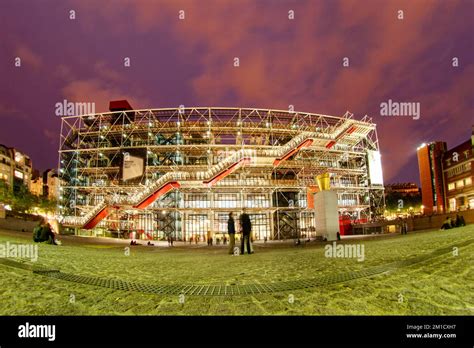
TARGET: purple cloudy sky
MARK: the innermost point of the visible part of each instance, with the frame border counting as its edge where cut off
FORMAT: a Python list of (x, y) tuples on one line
[(282, 62)]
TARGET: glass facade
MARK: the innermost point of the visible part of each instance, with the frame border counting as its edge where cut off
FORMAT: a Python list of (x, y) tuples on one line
[(150, 174)]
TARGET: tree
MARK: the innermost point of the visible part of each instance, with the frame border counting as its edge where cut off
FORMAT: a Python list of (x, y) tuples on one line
[(23, 201), (6, 194)]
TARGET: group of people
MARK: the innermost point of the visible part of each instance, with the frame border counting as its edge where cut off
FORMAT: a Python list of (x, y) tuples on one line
[(43, 232), (403, 226), (450, 223), (245, 229)]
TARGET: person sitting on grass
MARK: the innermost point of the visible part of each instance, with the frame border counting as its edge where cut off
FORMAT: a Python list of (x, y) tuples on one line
[(459, 221), (37, 232), (44, 233), (446, 224)]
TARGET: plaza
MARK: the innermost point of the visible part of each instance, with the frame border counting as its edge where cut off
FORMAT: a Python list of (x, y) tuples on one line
[(422, 273)]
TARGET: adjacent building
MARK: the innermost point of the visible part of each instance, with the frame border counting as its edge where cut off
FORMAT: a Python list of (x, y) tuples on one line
[(15, 168), (36, 186), (458, 173), (51, 184), (403, 189), (6, 165), (446, 176), (46, 184), (431, 176)]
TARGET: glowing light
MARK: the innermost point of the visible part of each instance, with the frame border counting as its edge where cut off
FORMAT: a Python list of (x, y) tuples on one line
[(421, 146)]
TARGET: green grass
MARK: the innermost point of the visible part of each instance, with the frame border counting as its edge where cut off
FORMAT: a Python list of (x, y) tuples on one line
[(440, 286)]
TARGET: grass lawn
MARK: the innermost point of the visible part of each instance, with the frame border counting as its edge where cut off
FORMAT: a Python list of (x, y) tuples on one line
[(443, 285)]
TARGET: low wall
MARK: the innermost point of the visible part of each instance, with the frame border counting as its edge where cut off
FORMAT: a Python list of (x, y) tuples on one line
[(16, 224), (436, 221)]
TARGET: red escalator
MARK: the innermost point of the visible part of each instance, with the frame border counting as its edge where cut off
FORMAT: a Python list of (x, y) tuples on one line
[(290, 153), (102, 214), (157, 194), (226, 172), (349, 130)]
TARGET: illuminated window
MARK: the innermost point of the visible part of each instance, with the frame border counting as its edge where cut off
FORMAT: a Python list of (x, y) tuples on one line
[(18, 157), (18, 174), (257, 201), (227, 201), (467, 182), (451, 186), (459, 183), (260, 226), (452, 204), (196, 225), (198, 201), (222, 219)]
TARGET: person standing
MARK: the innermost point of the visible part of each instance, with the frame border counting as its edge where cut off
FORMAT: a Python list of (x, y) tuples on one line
[(231, 232), (209, 238), (246, 227)]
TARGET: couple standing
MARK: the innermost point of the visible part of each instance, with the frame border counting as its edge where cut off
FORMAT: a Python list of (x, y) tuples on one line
[(246, 229)]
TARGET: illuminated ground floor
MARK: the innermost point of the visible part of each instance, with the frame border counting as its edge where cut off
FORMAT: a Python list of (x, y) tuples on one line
[(198, 225), (193, 216)]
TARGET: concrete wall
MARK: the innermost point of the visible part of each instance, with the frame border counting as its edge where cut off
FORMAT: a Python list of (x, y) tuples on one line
[(16, 224), (435, 221)]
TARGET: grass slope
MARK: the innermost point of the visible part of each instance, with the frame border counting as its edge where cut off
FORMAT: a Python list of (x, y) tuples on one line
[(440, 286)]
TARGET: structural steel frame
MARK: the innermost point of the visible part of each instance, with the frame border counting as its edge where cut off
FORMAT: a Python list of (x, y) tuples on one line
[(274, 153)]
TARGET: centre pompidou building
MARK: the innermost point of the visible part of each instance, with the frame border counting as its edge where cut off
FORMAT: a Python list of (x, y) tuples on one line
[(153, 173)]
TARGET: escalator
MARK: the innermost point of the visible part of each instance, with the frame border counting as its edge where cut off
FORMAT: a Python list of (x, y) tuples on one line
[(171, 180), (286, 225)]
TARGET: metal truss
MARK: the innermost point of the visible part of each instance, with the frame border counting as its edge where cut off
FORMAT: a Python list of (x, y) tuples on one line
[(270, 152)]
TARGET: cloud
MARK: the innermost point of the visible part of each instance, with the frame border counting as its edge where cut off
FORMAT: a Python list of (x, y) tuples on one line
[(29, 57), (51, 136), (282, 61), (101, 93)]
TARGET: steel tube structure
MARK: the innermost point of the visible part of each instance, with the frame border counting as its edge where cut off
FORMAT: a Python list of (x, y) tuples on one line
[(200, 163)]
